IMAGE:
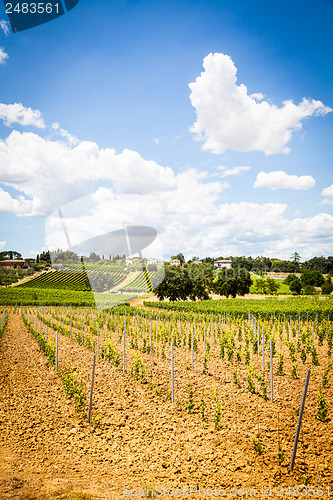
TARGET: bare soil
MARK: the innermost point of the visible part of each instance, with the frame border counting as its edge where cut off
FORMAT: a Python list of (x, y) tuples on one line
[(48, 451)]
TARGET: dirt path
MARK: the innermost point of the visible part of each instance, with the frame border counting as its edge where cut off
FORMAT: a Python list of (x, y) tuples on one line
[(48, 451)]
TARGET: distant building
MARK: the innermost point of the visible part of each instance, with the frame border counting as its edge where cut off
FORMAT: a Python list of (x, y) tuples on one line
[(14, 264), (132, 260), (219, 264), (175, 262), (197, 262)]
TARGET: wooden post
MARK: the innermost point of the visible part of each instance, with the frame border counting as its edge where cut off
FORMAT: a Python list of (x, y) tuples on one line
[(91, 387), (300, 416), (97, 340)]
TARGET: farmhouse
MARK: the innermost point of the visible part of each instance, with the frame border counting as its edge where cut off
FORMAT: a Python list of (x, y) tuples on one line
[(132, 260), (175, 262), (219, 264), (14, 264)]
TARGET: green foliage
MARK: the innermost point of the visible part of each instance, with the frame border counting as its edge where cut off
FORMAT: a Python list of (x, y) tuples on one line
[(280, 365), (322, 408), (238, 307), (325, 376), (74, 387), (312, 278), (303, 355), (185, 282), (258, 446), (236, 378), (58, 297), (280, 454), (327, 286), (110, 353), (265, 286), (314, 355), (218, 411), (229, 284), (138, 369), (250, 384), (294, 371)]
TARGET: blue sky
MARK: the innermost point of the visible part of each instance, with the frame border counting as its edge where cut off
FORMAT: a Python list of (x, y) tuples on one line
[(97, 103)]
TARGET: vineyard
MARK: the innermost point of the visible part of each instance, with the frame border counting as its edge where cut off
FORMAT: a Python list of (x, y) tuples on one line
[(220, 389), (145, 281), (74, 279), (196, 391)]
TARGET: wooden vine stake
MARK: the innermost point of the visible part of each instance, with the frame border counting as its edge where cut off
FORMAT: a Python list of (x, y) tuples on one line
[(97, 340), (91, 387), (299, 422)]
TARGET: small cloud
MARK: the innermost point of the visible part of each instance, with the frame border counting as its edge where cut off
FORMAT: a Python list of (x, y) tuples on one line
[(4, 25), (232, 171), (55, 125), (281, 180), (328, 191), (17, 113), (2, 244), (326, 201), (3, 56), (156, 140)]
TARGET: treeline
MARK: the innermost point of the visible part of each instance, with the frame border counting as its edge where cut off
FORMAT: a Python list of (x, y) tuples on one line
[(265, 264), (192, 282)]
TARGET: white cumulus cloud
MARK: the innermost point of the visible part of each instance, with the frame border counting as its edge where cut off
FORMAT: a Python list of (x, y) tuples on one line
[(2, 244), (51, 173), (230, 119), (328, 191), (17, 113), (281, 180), (3, 56)]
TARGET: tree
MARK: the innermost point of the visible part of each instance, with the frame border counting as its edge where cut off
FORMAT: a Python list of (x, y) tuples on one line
[(10, 254), (327, 286), (295, 285), (296, 257), (181, 284), (229, 284), (271, 286), (312, 278)]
